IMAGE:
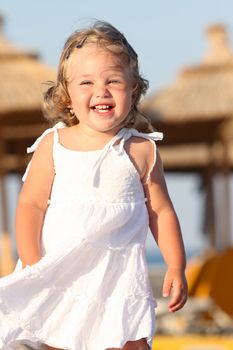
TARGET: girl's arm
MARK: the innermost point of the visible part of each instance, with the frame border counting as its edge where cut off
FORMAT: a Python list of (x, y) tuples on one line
[(32, 202), (165, 228)]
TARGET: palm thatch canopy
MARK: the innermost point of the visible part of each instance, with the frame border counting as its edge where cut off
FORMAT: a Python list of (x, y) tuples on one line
[(202, 92), (198, 107), (196, 115), (22, 78), (21, 83)]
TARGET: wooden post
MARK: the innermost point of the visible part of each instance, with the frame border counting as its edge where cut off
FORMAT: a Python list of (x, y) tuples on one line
[(223, 202), (210, 222)]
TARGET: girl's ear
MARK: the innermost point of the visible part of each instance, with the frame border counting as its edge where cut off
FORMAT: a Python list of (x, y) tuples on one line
[(72, 112), (69, 103)]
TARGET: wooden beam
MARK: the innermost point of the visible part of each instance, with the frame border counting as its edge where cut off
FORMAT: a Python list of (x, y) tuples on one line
[(13, 163), (22, 131)]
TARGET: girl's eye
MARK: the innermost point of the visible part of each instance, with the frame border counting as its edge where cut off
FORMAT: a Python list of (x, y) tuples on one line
[(114, 81), (86, 82)]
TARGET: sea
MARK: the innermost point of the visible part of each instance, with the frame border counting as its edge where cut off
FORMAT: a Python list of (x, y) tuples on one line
[(155, 259)]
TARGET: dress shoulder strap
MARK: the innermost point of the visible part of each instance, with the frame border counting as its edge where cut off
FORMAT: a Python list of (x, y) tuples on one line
[(55, 136), (153, 136), (59, 125), (32, 148)]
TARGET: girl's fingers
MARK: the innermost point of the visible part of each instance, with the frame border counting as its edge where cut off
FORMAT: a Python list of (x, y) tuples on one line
[(177, 306), (175, 285), (167, 286), (176, 296), (178, 299)]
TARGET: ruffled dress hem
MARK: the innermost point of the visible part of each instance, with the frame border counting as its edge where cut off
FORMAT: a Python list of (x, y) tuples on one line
[(37, 343)]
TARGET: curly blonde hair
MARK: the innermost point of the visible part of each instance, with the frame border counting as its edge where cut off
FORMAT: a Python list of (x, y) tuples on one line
[(57, 99)]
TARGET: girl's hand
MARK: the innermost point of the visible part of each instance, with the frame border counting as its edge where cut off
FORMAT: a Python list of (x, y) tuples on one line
[(175, 284)]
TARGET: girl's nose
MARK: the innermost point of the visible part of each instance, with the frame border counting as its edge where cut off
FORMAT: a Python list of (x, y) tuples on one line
[(102, 91)]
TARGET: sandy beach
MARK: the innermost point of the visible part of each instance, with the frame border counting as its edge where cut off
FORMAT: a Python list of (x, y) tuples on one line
[(156, 275)]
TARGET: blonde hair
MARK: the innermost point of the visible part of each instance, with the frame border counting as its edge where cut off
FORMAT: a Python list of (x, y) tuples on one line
[(57, 99)]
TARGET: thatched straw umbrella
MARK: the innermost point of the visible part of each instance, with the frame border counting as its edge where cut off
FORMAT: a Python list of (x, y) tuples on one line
[(196, 115), (21, 78)]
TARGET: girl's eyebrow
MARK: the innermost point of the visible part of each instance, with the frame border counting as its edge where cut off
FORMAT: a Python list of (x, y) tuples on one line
[(85, 76), (116, 72)]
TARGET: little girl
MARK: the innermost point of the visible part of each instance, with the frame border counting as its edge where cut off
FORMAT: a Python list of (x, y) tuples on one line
[(94, 187)]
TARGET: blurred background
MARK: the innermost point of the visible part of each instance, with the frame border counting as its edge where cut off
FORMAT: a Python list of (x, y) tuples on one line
[(185, 50)]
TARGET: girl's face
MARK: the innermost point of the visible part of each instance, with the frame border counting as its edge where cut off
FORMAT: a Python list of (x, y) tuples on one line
[(100, 88)]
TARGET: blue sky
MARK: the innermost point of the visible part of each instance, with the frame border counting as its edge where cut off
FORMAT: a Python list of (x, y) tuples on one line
[(167, 35)]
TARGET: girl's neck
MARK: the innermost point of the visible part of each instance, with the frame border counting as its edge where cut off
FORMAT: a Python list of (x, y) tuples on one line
[(99, 136), (93, 139)]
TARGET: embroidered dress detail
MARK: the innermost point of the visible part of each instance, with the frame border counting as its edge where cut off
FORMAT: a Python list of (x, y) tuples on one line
[(90, 290)]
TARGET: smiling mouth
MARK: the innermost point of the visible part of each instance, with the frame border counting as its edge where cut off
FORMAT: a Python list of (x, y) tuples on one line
[(102, 108)]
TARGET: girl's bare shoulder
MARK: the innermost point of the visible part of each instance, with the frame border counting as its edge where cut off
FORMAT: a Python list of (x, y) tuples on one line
[(140, 147), (46, 142), (42, 156), (142, 153)]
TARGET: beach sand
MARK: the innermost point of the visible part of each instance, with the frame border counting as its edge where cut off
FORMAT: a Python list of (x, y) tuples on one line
[(156, 276)]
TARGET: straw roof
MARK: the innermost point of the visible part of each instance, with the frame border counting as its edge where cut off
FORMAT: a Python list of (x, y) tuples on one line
[(21, 119), (202, 92), (21, 80), (198, 93), (195, 112), (196, 115)]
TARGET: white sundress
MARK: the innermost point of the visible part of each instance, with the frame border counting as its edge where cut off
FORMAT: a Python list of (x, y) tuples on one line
[(90, 290)]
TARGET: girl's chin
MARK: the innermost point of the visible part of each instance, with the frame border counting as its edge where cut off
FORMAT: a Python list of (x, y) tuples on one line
[(109, 128), (106, 124)]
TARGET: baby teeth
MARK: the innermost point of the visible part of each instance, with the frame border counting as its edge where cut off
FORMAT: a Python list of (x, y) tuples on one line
[(102, 107)]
